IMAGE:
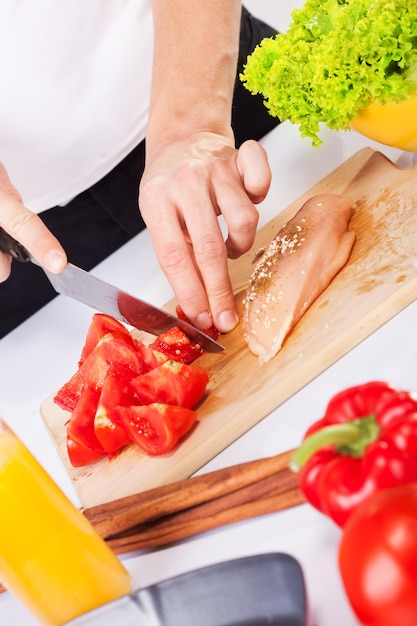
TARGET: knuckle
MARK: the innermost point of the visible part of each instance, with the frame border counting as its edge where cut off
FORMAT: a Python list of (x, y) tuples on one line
[(190, 176), (19, 220), (243, 220), (210, 248), (173, 260)]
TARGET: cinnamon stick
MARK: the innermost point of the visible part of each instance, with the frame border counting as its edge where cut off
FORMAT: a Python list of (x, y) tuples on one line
[(185, 508)]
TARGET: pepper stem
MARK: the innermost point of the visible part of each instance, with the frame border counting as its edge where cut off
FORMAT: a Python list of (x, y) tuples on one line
[(349, 438)]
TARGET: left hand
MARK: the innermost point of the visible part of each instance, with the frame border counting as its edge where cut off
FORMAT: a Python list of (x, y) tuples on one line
[(186, 185)]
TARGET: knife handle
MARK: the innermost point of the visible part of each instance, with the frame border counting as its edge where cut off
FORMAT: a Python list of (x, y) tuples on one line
[(13, 247)]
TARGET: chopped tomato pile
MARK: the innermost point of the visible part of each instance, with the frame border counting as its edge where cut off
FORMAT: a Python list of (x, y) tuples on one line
[(125, 391)]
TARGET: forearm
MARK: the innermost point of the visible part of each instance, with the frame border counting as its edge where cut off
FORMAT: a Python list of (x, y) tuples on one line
[(195, 56), (193, 171)]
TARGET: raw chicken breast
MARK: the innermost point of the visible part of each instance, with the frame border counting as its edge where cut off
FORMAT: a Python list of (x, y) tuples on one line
[(294, 270)]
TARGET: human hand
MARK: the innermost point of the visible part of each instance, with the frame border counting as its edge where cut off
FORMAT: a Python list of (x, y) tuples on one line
[(186, 185), (28, 229)]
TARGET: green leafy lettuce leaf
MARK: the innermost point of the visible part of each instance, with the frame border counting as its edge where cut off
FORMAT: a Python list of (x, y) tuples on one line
[(335, 58)]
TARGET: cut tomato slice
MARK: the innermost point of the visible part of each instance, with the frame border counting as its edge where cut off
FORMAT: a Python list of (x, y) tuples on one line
[(109, 431), (80, 455), (80, 428), (156, 428), (100, 326), (177, 346), (171, 383), (150, 357), (110, 350)]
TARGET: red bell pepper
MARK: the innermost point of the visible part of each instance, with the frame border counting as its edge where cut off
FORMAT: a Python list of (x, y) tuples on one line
[(366, 441)]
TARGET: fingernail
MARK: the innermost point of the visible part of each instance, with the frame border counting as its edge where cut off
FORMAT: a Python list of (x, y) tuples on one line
[(55, 261), (204, 320), (227, 321)]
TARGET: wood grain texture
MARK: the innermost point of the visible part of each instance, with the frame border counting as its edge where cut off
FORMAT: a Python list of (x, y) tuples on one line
[(379, 281)]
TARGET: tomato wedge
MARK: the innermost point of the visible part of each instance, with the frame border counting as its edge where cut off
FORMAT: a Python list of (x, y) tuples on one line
[(125, 391), (100, 326), (80, 455), (110, 350), (177, 346), (171, 383), (156, 428), (82, 442), (151, 358), (116, 390)]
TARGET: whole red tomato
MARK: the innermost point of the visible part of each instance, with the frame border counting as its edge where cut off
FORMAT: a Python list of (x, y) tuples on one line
[(378, 558)]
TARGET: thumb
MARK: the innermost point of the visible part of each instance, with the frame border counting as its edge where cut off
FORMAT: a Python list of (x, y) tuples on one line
[(27, 228), (253, 166)]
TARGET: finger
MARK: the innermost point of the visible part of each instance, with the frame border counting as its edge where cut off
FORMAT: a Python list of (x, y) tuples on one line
[(236, 206), (191, 251), (210, 253), (31, 232), (210, 256), (173, 249), (253, 166)]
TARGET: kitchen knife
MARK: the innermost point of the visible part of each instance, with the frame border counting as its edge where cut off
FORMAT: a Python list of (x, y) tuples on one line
[(80, 285), (263, 590)]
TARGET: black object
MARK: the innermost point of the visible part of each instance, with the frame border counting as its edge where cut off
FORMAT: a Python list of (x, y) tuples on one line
[(260, 590)]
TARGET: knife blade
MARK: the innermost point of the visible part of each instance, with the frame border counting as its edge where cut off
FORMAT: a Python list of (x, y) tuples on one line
[(267, 588), (106, 298)]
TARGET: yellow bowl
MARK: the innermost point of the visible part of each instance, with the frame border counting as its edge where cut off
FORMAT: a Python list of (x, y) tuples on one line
[(391, 124)]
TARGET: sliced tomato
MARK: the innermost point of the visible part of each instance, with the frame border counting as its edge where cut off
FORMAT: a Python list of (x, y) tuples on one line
[(150, 357), (80, 427), (156, 428), (211, 332), (110, 350), (80, 455), (100, 326), (116, 390), (177, 346), (173, 383)]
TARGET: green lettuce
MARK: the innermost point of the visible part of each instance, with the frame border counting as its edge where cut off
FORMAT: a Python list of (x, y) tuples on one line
[(336, 57)]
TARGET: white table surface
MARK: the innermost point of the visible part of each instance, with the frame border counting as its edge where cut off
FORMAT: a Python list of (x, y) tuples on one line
[(39, 356)]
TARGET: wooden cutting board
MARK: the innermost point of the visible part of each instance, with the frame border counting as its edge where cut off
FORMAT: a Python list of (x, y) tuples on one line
[(379, 281)]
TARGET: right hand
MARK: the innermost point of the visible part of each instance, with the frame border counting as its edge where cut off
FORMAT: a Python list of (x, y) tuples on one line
[(186, 185), (27, 228)]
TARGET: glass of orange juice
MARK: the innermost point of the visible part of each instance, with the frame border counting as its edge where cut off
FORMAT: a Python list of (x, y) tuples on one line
[(51, 558)]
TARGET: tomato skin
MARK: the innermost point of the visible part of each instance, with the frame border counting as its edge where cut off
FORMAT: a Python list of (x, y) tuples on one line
[(156, 428), (116, 390), (102, 325), (110, 351), (171, 383), (82, 444), (110, 434), (177, 346), (80, 427), (378, 557), (150, 358), (80, 455)]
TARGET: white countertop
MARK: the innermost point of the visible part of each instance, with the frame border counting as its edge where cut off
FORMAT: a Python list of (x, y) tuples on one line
[(40, 355)]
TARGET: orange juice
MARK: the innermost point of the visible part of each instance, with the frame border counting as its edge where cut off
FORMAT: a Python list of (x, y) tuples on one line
[(51, 558)]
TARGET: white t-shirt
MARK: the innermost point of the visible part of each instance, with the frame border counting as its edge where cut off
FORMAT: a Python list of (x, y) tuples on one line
[(74, 91)]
